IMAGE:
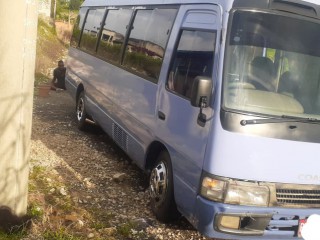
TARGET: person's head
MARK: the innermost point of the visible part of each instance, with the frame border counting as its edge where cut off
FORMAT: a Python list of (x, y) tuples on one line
[(60, 64)]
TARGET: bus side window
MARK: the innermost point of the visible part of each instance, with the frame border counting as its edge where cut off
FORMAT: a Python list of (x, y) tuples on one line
[(146, 44), (193, 57), (78, 27), (91, 30), (113, 34)]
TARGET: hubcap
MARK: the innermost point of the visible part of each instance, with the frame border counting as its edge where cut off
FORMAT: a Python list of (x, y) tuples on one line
[(80, 109), (158, 183)]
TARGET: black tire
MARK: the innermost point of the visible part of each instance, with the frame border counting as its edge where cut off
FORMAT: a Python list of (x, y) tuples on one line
[(161, 190), (81, 113)]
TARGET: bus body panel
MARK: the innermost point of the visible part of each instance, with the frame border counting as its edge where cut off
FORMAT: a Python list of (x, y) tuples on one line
[(261, 158), (102, 81), (180, 130)]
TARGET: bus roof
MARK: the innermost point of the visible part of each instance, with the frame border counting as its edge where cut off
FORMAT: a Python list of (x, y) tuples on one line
[(88, 3), (310, 8), (164, 2)]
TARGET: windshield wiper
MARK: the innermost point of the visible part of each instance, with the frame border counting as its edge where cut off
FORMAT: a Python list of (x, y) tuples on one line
[(283, 118)]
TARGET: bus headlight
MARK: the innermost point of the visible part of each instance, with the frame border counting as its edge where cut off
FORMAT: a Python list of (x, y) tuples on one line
[(247, 195), (234, 192), (213, 189)]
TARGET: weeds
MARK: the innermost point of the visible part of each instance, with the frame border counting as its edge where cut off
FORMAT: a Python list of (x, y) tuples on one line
[(40, 78), (12, 236), (59, 234), (125, 230), (35, 211)]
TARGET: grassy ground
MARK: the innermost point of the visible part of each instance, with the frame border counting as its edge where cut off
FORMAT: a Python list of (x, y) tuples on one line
[(50, 49)]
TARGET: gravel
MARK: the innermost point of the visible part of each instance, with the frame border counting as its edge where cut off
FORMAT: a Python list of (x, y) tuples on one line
[(107, 193)]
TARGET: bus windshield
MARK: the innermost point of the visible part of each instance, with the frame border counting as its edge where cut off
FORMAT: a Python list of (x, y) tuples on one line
[(273, 65)]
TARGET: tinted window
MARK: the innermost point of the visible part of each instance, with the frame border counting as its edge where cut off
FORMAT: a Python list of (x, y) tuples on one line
[(147, 41), (78, 27), (91, 29), (113, 34), (194, 57)]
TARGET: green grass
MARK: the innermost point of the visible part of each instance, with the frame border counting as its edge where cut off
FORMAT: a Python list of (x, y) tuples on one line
[(60, 234), (46, 30), (49, 49), (34, 211), (125, 229), (12, 236), (40, 78)]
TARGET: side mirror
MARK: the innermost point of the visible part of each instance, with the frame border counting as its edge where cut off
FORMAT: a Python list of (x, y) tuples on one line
[(201, 91), (200, 96)]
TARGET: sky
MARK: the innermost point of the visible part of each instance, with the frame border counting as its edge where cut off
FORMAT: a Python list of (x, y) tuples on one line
[(313, 1)]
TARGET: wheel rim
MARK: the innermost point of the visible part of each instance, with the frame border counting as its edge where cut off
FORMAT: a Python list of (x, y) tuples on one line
[(80, 109), (158, 183)]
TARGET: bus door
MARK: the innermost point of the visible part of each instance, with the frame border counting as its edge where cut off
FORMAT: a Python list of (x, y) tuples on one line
[(191, 52)]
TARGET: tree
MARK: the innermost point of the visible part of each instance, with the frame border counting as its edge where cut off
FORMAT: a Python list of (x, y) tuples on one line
[(74, 5)]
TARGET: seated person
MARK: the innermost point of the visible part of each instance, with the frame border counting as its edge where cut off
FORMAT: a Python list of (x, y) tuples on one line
[(261, 74), (59, 75)]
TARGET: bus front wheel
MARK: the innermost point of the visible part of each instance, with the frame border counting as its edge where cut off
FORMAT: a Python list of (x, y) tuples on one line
[(161, 189)]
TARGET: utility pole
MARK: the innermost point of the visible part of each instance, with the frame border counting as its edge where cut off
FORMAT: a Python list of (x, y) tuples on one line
[(18, 29), (54, 10)]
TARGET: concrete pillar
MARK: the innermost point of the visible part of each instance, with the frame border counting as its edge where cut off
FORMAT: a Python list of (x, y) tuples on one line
[(18, 29)]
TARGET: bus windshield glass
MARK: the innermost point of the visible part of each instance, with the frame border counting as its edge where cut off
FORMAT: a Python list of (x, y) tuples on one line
[(273, 65)]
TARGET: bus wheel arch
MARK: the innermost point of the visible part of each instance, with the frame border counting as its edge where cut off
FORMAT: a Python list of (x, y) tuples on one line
[(161, 185)]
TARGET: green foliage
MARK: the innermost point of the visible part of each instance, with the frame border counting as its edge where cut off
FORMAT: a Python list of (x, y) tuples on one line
[(49, 50), (143, 63), (125, 229), (88, 42), (45, 30), (34, 211), (74, 5), (13, 236), (62, 10), (65, 9), (40, 78), (110, 52), (60, 234)]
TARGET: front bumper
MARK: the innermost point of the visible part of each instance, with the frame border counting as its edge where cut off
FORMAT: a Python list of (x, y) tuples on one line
[(282, 223)]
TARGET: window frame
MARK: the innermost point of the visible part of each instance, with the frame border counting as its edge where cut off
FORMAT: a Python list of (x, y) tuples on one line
[(127, 35), (82, 27), (119, 62), (174, 53), (123, 51), (94, 52)]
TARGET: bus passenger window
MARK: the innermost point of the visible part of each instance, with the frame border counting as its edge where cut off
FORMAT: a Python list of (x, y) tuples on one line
[(147, 42), (78, 27), (193, 57), (91, 30), (113, 34)]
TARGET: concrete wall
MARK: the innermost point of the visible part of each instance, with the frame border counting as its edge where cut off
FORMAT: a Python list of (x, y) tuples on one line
[(18, 25)]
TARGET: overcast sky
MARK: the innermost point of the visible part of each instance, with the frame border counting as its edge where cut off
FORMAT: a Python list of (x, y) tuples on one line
[(313, 1)]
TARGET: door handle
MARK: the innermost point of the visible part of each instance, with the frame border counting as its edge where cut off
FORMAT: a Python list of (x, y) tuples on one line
[(161, 115)]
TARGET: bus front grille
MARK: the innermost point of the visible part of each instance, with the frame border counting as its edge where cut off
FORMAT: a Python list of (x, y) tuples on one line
[(301, 197)]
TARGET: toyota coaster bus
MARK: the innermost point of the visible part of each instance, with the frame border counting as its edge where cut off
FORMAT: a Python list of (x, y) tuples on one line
[(217, 100)]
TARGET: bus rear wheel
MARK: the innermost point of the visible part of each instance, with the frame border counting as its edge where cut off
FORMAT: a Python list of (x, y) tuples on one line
[(161, 190), (81, 112)]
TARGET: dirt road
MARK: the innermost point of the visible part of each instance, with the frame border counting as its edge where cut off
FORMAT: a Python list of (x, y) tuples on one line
[(83, 186)]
